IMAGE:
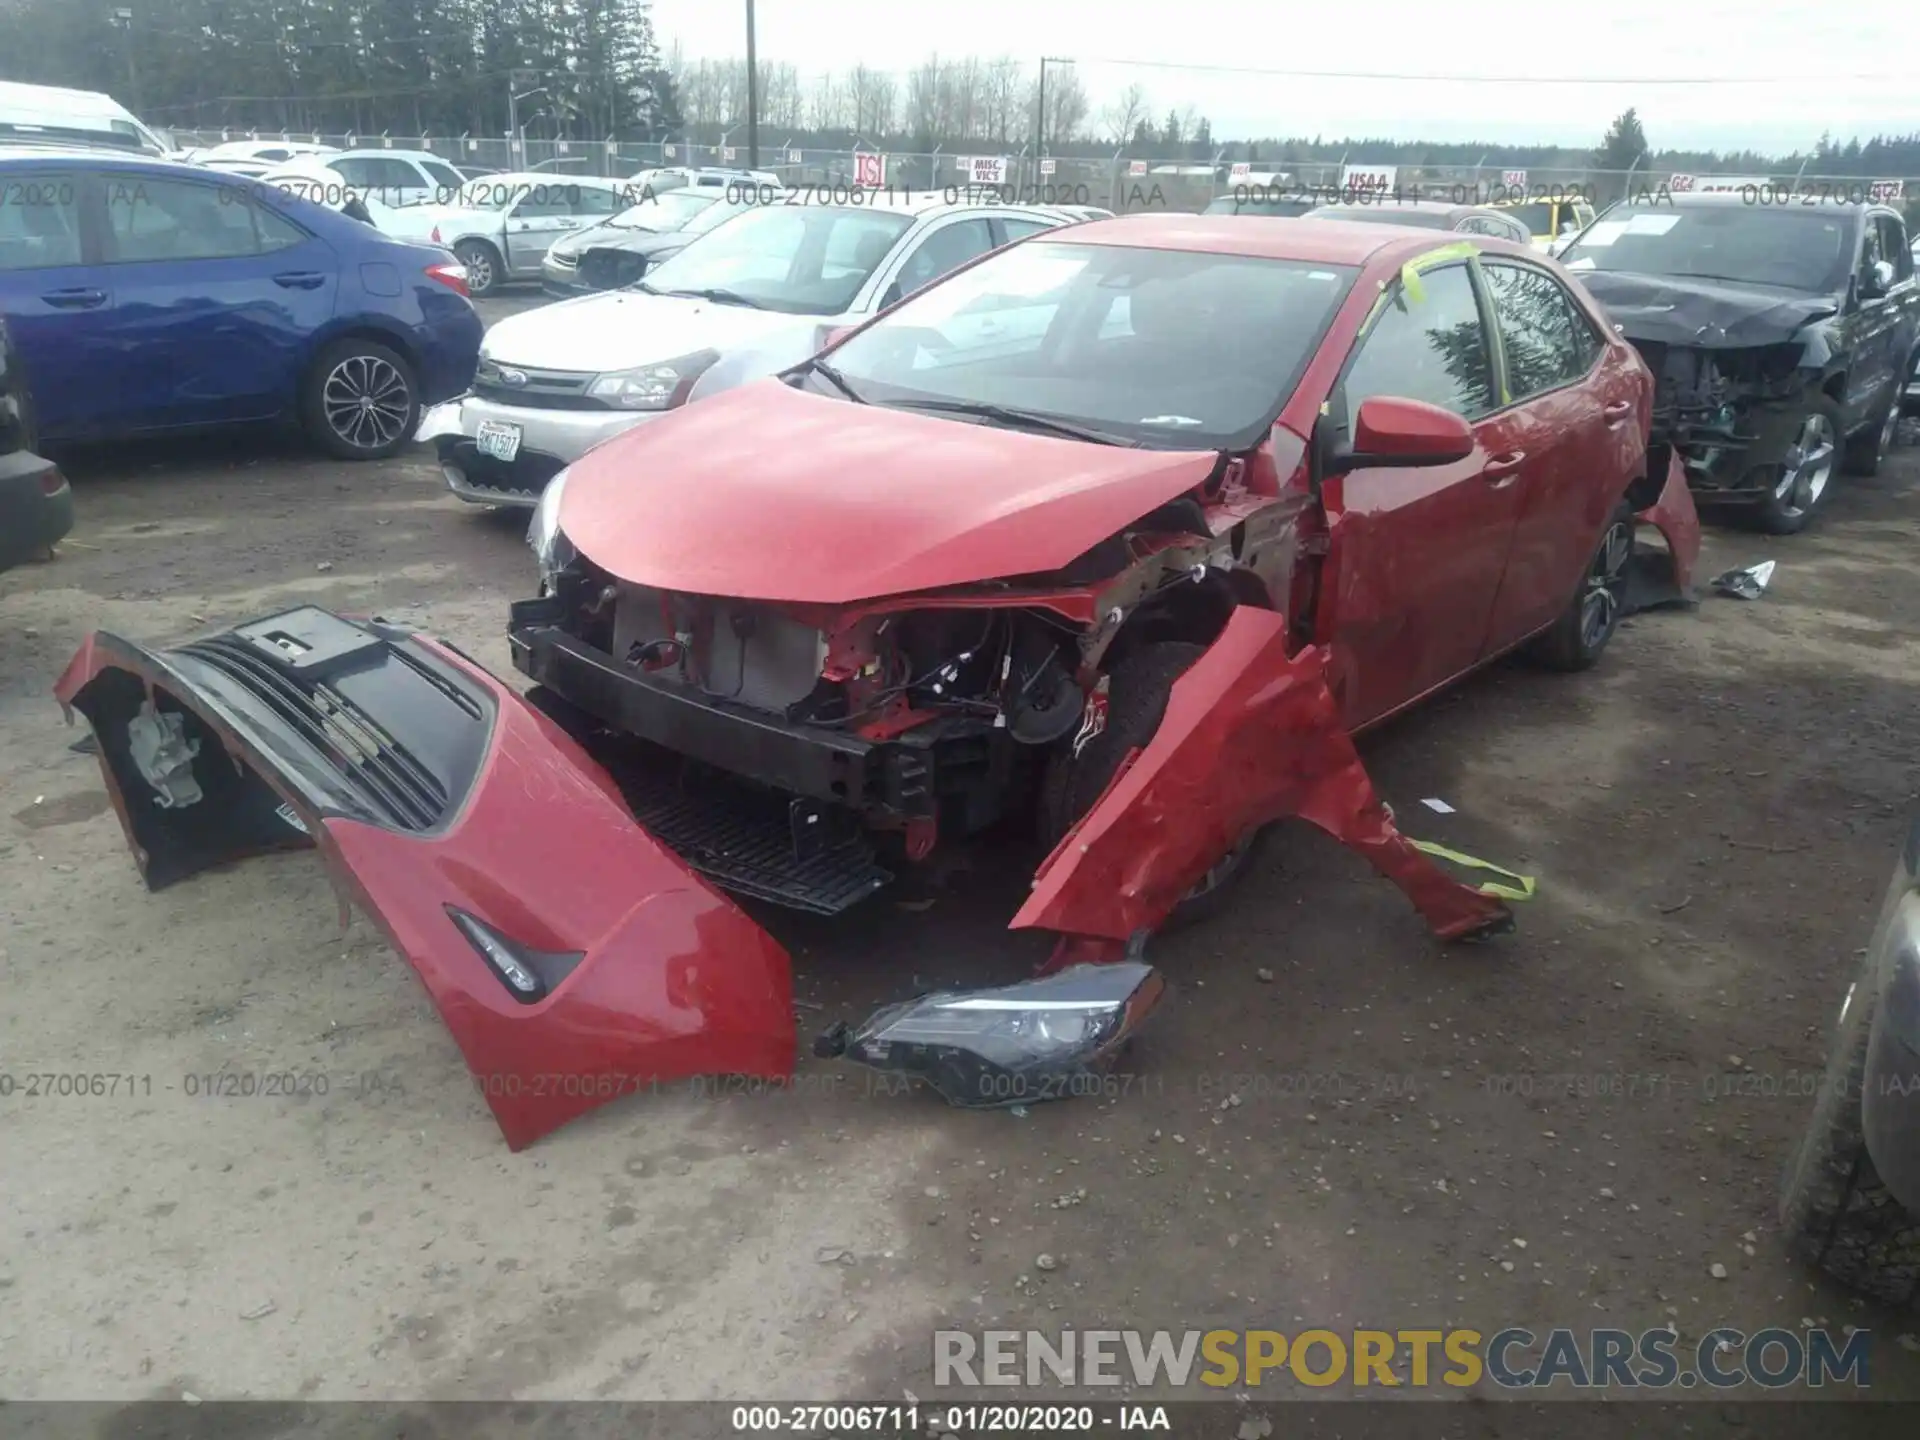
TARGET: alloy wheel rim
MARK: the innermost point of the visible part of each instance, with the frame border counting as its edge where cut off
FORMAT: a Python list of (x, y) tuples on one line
[(366, 402), (479, 270), (1606, 585), (1888, 429), (1809, 467)]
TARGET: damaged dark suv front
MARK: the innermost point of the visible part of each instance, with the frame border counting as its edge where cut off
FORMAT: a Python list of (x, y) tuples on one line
[(1780, 330)]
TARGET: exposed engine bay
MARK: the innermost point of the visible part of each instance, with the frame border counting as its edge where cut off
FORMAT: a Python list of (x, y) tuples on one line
[(1728, 411)]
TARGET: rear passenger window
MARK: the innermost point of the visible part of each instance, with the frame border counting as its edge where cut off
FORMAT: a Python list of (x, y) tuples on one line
[(39, 221), (1539, 330), (152, 219), (1893, 247), (1432, 349)]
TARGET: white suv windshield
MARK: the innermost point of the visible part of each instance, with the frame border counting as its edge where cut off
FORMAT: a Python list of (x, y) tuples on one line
[(1170, 348), (806, 260)]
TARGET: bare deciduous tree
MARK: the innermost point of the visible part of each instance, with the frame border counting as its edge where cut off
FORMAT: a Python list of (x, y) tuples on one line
[(1123, 117)]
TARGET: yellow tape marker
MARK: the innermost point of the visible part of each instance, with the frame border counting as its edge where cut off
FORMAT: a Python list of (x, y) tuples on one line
[(1410, 272), (1522, 891)]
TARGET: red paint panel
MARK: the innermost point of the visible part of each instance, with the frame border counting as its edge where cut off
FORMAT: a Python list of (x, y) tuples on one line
[(1251, 735), (1675, 517), (676, 980), (770, 493)]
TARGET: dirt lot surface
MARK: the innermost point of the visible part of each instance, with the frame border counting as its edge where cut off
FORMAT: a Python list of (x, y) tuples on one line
[(1711, 816)]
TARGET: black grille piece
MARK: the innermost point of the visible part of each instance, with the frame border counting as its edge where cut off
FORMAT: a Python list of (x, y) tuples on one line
[(743, 841), (525, 476), (610, 269), (390, 780)]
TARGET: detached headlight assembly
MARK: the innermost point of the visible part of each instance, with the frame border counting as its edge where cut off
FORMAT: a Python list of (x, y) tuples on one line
[(1045, 1039), (548, 542), (660, 386)]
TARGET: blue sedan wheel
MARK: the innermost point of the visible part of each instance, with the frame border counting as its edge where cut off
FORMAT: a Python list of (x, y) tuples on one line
[(362, 401)]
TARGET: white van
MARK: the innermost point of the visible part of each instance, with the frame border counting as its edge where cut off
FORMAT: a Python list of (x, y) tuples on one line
[(49, 113)]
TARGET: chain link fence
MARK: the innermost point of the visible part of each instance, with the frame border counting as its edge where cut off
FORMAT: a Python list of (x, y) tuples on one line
[(1117, 181)]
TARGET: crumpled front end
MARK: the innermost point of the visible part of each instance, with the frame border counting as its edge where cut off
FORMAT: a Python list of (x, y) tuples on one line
[(1730, 413), (574, 958), (1251, 735)]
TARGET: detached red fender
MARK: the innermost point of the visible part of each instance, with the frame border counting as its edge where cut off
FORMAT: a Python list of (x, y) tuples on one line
[(1251, 734), (473, 802), (1675, 517)]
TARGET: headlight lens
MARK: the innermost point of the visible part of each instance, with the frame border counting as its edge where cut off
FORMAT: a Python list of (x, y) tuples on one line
[(549, 544), (659, 386)]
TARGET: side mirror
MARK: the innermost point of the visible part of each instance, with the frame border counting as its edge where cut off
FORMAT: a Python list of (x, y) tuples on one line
[(834, 335), (1393, 433), (1877, 281)]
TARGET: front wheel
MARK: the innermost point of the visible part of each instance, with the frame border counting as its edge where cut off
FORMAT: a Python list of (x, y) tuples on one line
[(1798, 486), (1581, 633), (361, 400), (1138, 688)]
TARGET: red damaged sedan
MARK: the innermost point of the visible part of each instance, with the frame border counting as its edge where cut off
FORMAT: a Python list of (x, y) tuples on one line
[(1121, 533)]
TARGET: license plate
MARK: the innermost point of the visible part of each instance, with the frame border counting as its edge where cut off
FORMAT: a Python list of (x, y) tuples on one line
[(498, 439)]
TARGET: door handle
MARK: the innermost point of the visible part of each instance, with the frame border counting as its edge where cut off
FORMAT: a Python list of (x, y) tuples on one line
[(1617, 410), (77, 299), (300, 280), (1502, 470)]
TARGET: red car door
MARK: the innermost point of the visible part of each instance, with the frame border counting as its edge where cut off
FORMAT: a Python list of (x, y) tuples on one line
[(1415, 556), (1578, 409)]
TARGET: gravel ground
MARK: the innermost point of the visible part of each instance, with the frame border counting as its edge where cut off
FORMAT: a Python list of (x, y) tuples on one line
[(1711, 815)]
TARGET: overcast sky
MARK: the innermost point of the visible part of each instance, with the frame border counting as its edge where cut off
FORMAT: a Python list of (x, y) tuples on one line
[(1823, 44)]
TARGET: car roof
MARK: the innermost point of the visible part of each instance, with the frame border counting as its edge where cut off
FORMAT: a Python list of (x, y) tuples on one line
[(101, 154), (1726, 199), (1264, 237), (379, 151)]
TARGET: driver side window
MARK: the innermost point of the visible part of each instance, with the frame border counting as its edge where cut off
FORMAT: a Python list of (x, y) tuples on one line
[(946, 249), (1433, 348)]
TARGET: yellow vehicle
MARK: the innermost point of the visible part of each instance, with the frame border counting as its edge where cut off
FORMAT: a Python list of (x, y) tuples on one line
[(1549, 221)]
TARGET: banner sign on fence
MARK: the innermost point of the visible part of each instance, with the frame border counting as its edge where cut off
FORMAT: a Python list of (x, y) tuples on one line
[(793, 158), (1733, 184), (1887, 192), (1680, 184), (1514, 179), (869, 169), (1136, 167), (1046, 167), (1240, 171), (1371, 179), (985, 169), (728, 153)]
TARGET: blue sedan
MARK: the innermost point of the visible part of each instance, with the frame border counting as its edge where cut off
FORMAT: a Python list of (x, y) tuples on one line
[(149, 297)]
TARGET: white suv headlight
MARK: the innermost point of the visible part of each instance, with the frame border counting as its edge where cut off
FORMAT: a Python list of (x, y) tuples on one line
[(548, 542), (659, 386)]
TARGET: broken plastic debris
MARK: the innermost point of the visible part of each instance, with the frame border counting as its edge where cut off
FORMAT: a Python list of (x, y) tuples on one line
[(1747, 583), (1439, 807), (158, 744)]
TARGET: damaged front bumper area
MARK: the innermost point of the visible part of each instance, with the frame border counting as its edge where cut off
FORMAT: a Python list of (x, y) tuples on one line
[(574, 958), (1732, 415)]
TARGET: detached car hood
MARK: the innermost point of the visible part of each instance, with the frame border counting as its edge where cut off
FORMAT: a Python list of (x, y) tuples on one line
[(1710, 314), (769, 493), (620, 329)]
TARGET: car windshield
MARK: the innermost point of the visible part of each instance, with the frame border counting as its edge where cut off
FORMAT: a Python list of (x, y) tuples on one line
[(444, 175), (1805, 248), (670, 211), (1281, 207), (1167, 348), (803, 260), (1537, 217), (1384, 213)]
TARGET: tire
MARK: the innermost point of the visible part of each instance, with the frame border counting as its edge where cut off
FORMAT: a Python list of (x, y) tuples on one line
[(1591, 618), (1866, 451), (1834, 1212), (486, 271), (361, 400), (1797, 490), (1138, 689)]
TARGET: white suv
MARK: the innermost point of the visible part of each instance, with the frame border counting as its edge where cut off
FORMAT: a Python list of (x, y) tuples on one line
[(750, 298)]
